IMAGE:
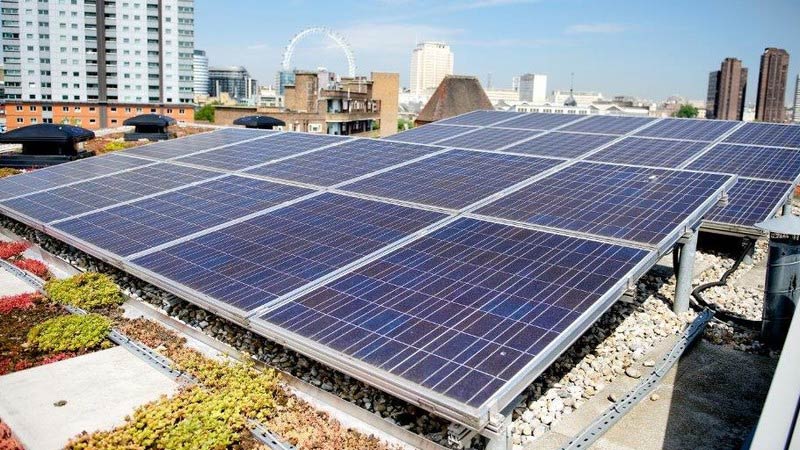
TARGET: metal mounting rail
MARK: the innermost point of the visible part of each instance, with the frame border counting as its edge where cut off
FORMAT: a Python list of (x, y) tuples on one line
[(615, 412)]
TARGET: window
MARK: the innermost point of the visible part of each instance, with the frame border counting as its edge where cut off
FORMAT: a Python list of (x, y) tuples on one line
[(33, 108), (19, 107), (20, 119)]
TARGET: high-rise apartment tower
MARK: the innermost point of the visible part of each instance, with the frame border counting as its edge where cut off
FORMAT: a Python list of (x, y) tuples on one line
[(727, 88), (75, 60), (430, 62), (770, 102)]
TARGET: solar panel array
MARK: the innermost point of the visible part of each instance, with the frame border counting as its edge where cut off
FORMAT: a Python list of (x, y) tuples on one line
[(448, 265)]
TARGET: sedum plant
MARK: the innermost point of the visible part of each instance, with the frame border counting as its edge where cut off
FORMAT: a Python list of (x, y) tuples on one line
[(70, 333), (90, 290)]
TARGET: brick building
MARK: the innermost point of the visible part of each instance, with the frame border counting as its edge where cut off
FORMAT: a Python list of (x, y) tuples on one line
[(772, 79), (353, 106), (92, 116), (727, 88)]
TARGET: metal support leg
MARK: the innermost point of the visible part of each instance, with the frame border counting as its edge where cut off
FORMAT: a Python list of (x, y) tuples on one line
[(748, 258), (683, 285), (502, 440), (787, 207)]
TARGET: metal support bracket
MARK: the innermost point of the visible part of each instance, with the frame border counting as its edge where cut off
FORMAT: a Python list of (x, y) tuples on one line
[(459, 436), (683, 282)]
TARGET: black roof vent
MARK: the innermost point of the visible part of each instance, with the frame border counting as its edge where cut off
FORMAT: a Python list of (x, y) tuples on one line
[(45, 144), (152, 127), (263, 122)]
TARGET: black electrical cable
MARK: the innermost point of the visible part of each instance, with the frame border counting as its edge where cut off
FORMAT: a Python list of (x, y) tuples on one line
[(724, 316)]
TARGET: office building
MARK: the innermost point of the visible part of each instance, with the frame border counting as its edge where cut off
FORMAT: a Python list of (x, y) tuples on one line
[(727, 88), (234, 81), (74, 61), (533, 88), (430, 63), (796, 104), (772, 78), (200, 73)]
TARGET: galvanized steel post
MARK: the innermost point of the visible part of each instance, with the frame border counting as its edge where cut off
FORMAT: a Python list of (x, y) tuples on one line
[(683, 282)]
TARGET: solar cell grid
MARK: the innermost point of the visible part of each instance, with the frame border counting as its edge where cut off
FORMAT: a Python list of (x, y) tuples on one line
[(197, 142), (609, 124), (778, 135), (561, 145), (463, 310), (750, 161), (688, 129), (62, 174), (488, 139), (479, 118), (454, 179), (134, 227), (246, 154), (749, 202), (251, 263), (637, 204), (87, 196), (428, 134), (649, 152), (540, 121), (342, 162)]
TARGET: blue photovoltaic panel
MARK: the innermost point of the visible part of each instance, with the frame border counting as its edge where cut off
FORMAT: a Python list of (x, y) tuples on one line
[(138, 226), (62, 174), (246, 154), (248, 264), (637, 204), (609, 124), (540, 121), (197, 142), (87, 196), (463, 310), (488, 139), (750, 161), (649, 152), (562, 145), (749, 202), (342, 162), (454, 179), (773, 134), (428, 134), (688, 129), (480, 118)]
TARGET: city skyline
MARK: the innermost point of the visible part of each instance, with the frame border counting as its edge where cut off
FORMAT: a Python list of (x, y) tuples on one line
[(646, 50)]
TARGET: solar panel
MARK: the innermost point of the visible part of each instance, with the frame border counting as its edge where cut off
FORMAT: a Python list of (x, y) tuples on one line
[(454, 179), (250, 263), (751, 161), (62, 174), (343, 162), (561, 145), (749, 202), (106, 191), (464, 311), (479, 118), (778, 135), (688, 129), (138, 226), (488, 139), (540, 121), (246, 154), (428, 134), (609, 124), (637, 204), (649, 152), (196, 142)]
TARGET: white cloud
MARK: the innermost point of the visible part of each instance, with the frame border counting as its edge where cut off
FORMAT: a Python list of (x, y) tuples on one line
[(605, 28)]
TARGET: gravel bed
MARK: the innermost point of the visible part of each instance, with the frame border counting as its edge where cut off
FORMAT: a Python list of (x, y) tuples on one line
[(615, 346)]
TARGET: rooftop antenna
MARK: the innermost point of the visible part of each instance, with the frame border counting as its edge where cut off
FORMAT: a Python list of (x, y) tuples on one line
[(489, 81), (571, 82)]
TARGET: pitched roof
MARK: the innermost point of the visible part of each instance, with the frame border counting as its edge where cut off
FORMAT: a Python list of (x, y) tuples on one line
[(455, 95)]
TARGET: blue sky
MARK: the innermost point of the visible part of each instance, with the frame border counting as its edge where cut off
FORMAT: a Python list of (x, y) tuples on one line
[(651, 49)]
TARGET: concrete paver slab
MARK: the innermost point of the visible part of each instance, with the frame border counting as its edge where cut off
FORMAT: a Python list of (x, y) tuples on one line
[(100, 389)]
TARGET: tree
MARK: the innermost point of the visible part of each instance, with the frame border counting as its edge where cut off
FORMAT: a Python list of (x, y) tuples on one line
[(404, 124), (686, 111), (205, 113)]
